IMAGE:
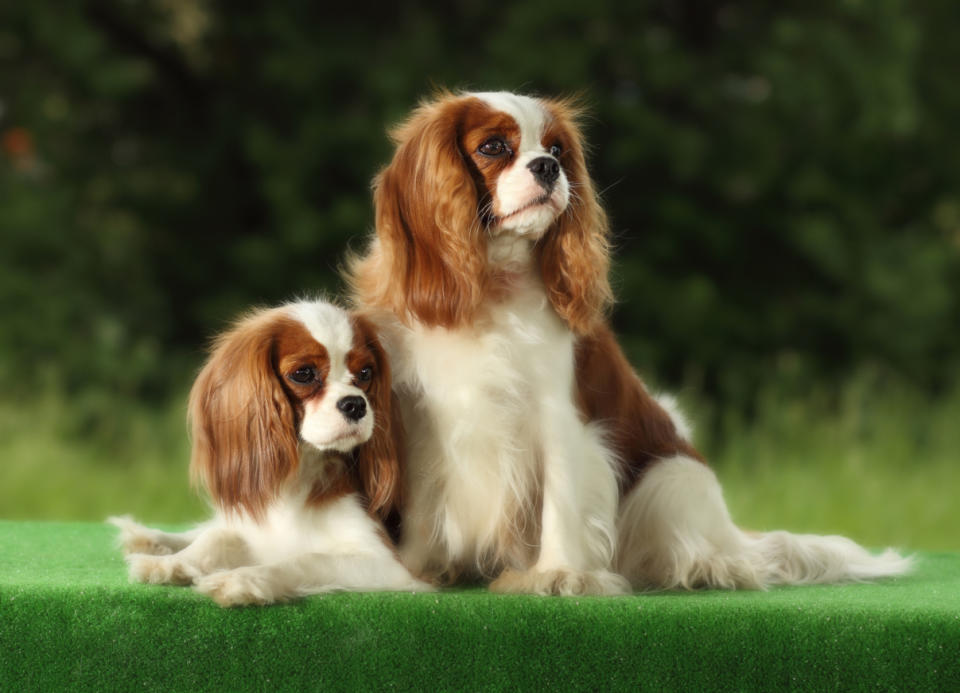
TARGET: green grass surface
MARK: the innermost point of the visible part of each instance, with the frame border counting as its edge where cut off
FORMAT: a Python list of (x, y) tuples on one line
[(877, 463), (71, 621)]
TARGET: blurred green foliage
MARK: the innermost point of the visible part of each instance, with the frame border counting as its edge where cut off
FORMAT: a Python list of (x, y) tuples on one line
[(783, 179)]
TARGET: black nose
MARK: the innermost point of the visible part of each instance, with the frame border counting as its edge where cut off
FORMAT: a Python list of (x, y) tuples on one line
[(546, 170), (353, 407)]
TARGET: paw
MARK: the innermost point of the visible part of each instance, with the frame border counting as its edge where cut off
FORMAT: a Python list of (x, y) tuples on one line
[(419, 586), (240, 587), (560, 581), (438, 578), (135, 538), (160, 570)]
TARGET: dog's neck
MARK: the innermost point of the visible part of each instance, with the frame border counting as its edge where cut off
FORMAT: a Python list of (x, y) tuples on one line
[(511, 261), (319, 469)]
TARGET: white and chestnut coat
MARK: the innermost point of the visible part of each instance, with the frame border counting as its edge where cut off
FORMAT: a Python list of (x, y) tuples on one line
[(536, 457), (295, 438)]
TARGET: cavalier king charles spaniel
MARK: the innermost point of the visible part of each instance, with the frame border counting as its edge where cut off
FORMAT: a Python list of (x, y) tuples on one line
[(537, 458), (294, 437)]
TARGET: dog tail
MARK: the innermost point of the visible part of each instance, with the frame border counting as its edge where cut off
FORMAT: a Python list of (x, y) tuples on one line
[(783, 558)]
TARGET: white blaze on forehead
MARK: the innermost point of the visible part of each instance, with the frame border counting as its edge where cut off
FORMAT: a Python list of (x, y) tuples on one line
[(329, 325), (324, 425), (527, 112)]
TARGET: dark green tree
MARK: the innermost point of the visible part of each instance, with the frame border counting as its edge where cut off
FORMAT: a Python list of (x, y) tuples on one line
[(782, 180)]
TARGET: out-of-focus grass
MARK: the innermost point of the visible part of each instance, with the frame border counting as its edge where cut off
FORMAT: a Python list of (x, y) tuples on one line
[(879, 463), (50, 470), (874, 462)]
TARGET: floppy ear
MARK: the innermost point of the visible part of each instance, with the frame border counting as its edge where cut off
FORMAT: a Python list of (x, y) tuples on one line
[(378, 461), (574, 254), (430, 237), (244, 427)]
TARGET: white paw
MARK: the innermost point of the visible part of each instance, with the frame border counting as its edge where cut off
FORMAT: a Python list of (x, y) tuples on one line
[(560, 581), (135, 538), (419, 586), (160, 570), (237, 588)]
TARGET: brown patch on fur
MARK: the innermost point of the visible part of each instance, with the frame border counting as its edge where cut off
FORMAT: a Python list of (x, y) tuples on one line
[(430, 260), (295, 348), (336, 482), (245, 413), (610, 392), (244, 425), (574, 253), (379, 461), (361, 354), (480, 122)]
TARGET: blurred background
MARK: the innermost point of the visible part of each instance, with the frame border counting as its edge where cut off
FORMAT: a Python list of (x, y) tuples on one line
[(783, 184)]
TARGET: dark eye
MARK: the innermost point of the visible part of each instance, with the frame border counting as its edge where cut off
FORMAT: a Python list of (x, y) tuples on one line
[(365, 375), (493, 147), (304, 375), (556, 150)]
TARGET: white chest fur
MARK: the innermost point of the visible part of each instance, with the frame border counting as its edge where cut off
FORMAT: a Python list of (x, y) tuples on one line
[(475, 401)]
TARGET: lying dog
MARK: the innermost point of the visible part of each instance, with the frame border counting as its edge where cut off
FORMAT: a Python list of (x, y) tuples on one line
[(294, 437)]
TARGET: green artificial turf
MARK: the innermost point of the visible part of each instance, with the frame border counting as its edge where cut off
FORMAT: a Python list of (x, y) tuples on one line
[(69, 620)]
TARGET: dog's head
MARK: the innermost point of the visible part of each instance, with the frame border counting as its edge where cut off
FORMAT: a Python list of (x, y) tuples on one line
[(472, 168), (306, 373)]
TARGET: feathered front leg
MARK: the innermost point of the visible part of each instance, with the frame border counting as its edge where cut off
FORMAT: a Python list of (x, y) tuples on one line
[(578, 530), (136, 538), (360, 558), (215, 549), (306, 575)]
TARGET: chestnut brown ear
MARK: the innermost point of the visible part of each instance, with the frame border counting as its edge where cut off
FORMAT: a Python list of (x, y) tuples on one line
[(243, 424), (379, 461), (574, 254), (431, 240)]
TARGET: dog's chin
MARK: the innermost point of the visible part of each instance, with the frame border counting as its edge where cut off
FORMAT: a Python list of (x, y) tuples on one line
[(342, 441), (532, 220)]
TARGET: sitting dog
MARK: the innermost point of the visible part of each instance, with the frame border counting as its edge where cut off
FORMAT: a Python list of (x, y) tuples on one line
[(294, 438), (538, 459)]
